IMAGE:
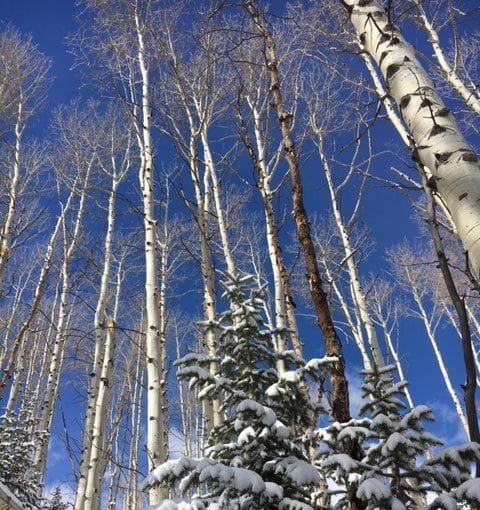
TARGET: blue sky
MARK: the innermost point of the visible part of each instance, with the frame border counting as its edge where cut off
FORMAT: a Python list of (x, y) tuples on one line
[(385, 211)]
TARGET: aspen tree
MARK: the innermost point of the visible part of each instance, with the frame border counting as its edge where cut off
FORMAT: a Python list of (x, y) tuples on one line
[(344, 230), (83, 163), (114, 161), (265, 166), (24, 89), (39, 289), (410, 277), (119, 47), (435, 138), (187, 143), (156, 449)]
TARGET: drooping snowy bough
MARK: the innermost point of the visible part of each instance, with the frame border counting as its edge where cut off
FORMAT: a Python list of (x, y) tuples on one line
[(436, 140)]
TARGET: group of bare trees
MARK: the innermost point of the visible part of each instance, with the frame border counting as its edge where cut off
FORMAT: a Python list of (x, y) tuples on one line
[(210, 123)]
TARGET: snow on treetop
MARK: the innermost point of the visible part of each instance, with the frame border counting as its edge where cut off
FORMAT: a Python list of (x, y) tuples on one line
[(290, 504), (299, 471), (242, 480), (470, 491), (266, 414), (373, 488)]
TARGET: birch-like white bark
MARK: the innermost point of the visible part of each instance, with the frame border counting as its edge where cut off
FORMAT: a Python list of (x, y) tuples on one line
[(88, 490), (38, 292), (47, 407), (471, 97), (211, 409), (358, 296), (6, 234), (284, 310), (156, 451), (438, 355), (436, 140), (97, 449), (132, 500), (222, 226)]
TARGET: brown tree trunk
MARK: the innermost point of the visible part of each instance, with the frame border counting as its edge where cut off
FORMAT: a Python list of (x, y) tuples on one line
[(339, 384), (340, 402)]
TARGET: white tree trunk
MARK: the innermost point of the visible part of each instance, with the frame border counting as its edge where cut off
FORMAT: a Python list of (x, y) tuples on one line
[(471, 98), (156, 451), (438, 355), (437, 141), (136, 392), (284, 311), (358, 297), (56, 360), (6, 234), (94, 424), (97, 449), (37, 294), (222, 227)]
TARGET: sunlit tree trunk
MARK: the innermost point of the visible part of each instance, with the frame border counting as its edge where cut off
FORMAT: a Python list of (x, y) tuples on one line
[(429, 329), (37, 294), (6, 234), (284, 310), (156, 451), (436, 140), (471, 97), (358, 296), (47, 406)]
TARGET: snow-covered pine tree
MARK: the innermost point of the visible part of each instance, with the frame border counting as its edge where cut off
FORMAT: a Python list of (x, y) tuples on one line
[(394, 473), (18, 436), (55, 501), (256, 458)]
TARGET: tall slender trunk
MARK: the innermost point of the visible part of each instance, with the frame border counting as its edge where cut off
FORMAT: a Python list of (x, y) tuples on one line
[(212, 412), (436, 140), (156, 451), (438, 355), (222, 226), (47, 407), (358, 296), (37, 294), (340, 394), (164, 249), (6, 233), (136, 392), (340, 397), (93, 426), (19, 373), (284, 307), (97, 449)]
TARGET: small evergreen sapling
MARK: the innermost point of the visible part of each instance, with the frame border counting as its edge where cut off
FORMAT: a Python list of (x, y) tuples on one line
[(55, 501), (255, 459), (393, 473)]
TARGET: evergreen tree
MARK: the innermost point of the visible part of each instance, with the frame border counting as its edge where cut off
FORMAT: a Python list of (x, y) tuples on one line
[(18, 436), (256, 458), (55, 501), (394, 473)]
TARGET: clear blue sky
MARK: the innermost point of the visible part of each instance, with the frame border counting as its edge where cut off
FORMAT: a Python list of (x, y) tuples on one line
[(385, 211)]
